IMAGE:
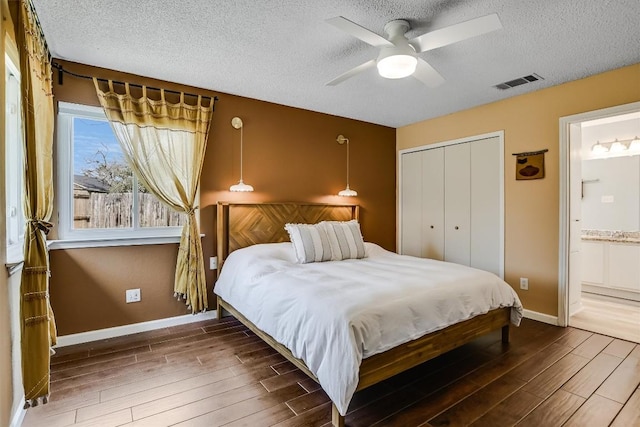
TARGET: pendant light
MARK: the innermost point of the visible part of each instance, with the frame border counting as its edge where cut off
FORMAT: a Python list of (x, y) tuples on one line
[(236, 122), (347, 192)]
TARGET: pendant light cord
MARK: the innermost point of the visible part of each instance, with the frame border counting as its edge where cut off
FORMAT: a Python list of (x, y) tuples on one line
[(347, 163), (241, 150)]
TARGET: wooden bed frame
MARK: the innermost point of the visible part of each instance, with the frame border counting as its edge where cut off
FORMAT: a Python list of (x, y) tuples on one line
[(245, 224)]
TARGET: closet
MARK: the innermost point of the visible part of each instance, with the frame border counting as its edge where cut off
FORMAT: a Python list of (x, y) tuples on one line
[(451, 202)]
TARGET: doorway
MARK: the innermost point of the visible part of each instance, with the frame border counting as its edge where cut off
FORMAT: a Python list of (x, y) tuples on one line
[(599, 277)]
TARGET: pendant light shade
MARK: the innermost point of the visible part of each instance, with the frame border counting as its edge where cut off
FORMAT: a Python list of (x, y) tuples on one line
[(241, 186), (347, 192), (236, 122)]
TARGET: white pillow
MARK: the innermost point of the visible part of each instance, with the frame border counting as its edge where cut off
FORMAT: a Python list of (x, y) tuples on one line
[(345, 239), (310, 242)]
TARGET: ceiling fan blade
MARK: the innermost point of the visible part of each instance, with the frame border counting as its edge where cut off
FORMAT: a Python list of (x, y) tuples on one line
[(427, 74), (352, 72), (456, 33), (358, 31)]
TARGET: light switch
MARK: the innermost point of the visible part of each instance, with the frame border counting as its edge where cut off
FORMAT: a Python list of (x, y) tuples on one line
[(606, 199)]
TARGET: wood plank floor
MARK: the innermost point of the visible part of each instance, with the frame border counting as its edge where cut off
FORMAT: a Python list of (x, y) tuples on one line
[(217, 373)]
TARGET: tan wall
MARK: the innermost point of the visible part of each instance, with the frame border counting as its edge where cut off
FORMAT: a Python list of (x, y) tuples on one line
[(531, 122), (290, 155)]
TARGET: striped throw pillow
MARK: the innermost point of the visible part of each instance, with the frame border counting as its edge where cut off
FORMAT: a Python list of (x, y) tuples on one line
[(310, 242), (345, 239)]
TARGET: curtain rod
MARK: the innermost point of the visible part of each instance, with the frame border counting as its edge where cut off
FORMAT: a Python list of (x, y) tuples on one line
[(62, 71), (37, 22)]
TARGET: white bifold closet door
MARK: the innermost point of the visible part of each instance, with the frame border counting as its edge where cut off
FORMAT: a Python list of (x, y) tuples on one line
[(457, 203), (432, 230), (486, 208), (451, 203), (411, 200)]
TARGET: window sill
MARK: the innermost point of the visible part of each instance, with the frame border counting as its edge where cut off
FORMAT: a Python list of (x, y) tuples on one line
[(106, 242), (14, 267), (15, 258)]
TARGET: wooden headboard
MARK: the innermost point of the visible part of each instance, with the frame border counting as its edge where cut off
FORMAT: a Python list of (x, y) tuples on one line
[(246, 224)]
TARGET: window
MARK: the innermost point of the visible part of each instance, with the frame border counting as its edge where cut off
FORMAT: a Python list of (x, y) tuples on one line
[(100, 196), (14, 167)]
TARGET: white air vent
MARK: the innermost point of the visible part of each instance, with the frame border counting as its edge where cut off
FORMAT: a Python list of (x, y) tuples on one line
[(519, 81)]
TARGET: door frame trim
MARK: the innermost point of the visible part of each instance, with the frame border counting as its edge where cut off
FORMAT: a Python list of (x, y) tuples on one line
[(564, 148), (500, 135)]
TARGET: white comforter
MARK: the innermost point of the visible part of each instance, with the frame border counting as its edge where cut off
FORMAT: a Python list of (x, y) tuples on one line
[(333, 314)]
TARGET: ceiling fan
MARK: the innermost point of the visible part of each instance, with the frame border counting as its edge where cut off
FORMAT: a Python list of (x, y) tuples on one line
[(398, 55)]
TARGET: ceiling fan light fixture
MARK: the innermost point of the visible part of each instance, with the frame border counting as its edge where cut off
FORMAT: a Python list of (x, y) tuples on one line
[(397, 66)]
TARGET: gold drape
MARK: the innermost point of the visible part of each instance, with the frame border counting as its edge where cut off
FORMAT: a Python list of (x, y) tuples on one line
[(165, 143), (38, 324)]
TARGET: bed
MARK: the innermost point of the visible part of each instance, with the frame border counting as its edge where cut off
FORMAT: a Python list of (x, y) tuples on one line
[(347, 348)]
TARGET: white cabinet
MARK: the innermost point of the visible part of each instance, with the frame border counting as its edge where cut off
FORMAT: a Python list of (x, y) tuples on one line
[(611, 268), (451, 203), (624, 266), (592, 255)]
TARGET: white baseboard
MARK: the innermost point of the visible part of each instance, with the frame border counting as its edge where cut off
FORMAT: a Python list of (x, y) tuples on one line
[(117, 331), (18, 416), (541, 317)]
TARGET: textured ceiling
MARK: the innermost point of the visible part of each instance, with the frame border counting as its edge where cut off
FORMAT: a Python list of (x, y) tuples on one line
[(284, 52)]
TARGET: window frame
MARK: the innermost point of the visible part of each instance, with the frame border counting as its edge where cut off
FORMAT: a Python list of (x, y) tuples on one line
[(14, 172), (75, 238)]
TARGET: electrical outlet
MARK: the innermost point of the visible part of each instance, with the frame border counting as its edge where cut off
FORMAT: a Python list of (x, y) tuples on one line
[(524, 283), (213, 263), (132, 295)]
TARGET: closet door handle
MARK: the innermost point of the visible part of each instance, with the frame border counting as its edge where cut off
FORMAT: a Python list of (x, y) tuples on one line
[(432, 226), (456, 227)]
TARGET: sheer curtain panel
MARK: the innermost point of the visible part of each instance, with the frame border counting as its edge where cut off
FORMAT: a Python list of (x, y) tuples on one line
[(164, 143)]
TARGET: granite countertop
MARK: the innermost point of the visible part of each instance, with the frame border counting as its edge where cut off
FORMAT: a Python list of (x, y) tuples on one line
[(611, 236)]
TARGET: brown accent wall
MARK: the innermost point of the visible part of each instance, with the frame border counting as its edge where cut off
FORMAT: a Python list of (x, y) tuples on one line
[(88, 286), (290, 154), (531, 122)]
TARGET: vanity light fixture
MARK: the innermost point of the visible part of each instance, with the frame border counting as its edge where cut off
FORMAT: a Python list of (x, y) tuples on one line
[(347, 192), (617, 146), (236, 122), (598, 148)]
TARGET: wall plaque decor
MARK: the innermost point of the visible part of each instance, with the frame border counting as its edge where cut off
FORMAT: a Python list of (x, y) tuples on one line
[(530, 165)]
